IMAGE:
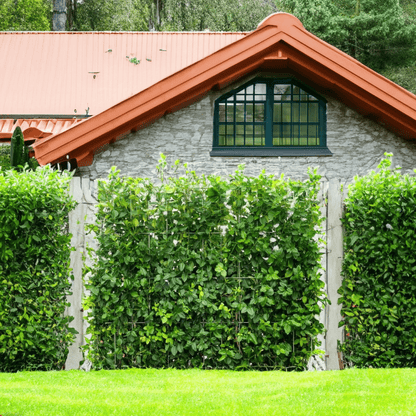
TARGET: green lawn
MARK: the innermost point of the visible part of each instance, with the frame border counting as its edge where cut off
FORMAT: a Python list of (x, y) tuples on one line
[(197, 392)]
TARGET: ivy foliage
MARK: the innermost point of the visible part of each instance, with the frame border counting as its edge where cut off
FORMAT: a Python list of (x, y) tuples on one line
[(205, 272), (379, 268), (34, 269)]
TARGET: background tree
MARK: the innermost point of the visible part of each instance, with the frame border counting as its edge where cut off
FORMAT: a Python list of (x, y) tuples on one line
[(378, 33), (219, 15), (25, 14), (121, 15), (169, 15)]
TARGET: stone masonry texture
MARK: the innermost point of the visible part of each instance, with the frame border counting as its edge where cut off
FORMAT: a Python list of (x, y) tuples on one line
[(358, 144)]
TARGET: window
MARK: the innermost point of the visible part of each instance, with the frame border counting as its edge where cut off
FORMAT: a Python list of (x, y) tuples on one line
[(270, 117)]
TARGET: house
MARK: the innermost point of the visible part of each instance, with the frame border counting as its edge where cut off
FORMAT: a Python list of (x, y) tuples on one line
[(277, 98)]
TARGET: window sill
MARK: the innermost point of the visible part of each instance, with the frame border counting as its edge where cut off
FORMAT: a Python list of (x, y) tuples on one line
[(270, 152)]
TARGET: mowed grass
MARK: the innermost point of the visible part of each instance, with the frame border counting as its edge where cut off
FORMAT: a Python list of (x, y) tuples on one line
[(215, 392)]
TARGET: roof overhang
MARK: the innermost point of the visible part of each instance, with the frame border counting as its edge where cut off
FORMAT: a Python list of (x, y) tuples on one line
[(280, 45), (34, 129)]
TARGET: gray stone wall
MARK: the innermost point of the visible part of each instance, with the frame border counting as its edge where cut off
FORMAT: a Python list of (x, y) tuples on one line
[(357, 144)]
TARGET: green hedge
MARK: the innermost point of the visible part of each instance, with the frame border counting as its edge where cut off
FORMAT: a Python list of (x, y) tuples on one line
[(34, 269), (379, 286), (205, 272), (4, 157)]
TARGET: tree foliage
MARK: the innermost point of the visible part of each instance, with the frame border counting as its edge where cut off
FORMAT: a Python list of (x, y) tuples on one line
[(221, 15), (103, 15), (4, 157), (376, 32), (171, 15), (25, 14), (19, 152)]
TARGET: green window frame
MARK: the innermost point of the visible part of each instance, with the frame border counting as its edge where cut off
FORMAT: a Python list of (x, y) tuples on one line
[(270, 117)]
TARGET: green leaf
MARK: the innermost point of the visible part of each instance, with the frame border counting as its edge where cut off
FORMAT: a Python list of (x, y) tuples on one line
[(253, 338)]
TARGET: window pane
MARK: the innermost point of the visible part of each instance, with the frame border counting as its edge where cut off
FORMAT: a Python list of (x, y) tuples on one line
[(295, 131), (277, 113), (259, 136), (259, 112), (239, 135), (277, 140), (260, 91), (313, 136), (295, 115), (282, 89), (286, 112), (230, 113), (239, 112), (249, 135), (313, 113), (303, 112), (294, 119), (303, 136), (222, 111), (239, 140), (221, 138), (230, 135), (303, 95), (249, 112), (286, 134)]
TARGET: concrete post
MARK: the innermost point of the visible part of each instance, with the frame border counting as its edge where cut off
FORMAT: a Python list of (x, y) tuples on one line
[(334, 262), (81, 192)]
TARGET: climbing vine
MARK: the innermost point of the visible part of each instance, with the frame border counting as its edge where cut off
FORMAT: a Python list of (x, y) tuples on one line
[(201, 271)]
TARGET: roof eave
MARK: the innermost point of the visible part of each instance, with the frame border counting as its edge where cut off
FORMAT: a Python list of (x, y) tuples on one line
[(277, 47)]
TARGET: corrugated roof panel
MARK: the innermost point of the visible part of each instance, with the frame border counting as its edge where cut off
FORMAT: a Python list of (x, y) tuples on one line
[(35, 128), (56, 73)]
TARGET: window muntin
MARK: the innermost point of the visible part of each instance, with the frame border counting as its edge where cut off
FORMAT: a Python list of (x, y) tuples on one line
[(270, 114), (242, 117)]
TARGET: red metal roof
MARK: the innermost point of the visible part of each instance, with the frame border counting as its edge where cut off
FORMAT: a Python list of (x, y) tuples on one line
[(35, 129), (68, 73), (280, 45)]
